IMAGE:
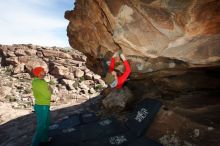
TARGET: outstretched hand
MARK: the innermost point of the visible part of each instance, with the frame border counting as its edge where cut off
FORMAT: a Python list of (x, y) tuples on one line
[(116, 49), (117, 52), (122, 56), (115, 55)]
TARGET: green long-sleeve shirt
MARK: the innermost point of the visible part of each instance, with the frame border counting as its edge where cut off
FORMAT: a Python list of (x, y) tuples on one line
[(41, 92)]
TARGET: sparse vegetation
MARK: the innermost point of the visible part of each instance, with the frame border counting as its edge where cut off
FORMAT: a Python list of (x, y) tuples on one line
[(52, 82), (98, 87), (75, 84), (81, 79)]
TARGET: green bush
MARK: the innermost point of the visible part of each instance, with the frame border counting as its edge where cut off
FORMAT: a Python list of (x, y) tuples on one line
[(98, 87), (81, 79)]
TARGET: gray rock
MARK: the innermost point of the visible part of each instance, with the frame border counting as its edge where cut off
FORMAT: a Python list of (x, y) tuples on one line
[(117, 100), (68, 83)]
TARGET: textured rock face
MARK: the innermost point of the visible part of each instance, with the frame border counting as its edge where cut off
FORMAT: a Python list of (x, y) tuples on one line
[(118, 100), (171, 45), (187, 30)]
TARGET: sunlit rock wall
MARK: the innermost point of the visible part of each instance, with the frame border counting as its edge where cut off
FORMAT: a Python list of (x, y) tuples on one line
[(187, 30)]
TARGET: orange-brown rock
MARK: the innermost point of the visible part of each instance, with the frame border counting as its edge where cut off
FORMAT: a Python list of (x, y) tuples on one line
[(188, 30)]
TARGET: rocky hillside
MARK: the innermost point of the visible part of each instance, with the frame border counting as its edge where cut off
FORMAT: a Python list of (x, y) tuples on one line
[(71, 81)]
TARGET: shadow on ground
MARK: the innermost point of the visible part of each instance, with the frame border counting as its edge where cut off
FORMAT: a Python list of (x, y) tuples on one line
[(19, 132)]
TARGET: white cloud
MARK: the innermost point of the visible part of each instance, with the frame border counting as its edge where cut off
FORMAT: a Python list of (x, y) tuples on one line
[(38, 22)]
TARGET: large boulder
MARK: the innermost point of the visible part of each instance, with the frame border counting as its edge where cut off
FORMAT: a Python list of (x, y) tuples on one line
[(36, 62), (118, 100), (60, 70), (185, 30)]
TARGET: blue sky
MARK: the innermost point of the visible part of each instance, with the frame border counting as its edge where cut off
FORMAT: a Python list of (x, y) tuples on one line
[(39, 22)]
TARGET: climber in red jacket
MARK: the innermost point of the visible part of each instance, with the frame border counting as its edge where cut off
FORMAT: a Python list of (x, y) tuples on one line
[(111, 78)]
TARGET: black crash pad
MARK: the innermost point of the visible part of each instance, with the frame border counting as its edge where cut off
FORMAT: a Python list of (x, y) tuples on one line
[(102, 128), (90, 131), (122, 139), (88, 117), (144, 142), (142, 116), (68, 122), (69, 136)]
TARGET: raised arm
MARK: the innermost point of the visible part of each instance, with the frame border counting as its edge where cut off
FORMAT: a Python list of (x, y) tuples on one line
[(112, 64), (127, 67)]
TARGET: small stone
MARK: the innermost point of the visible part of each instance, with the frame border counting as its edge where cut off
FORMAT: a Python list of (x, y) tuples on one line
[(88, 82), (96, 77), (100, 81), (79, 73), (92, 91), (70, 76), (88, 76), (68, 83), (47, 79), (25, 99), (83, 86)]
